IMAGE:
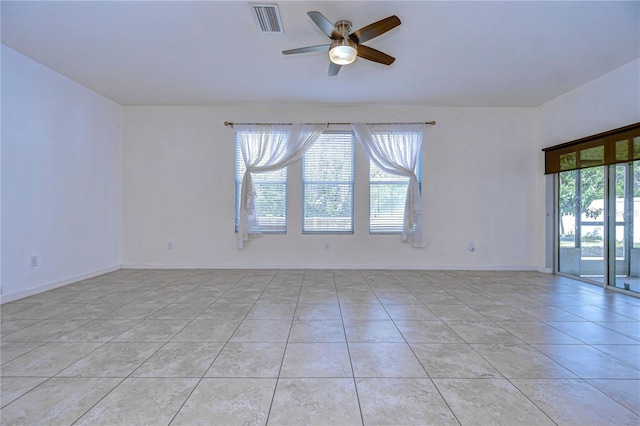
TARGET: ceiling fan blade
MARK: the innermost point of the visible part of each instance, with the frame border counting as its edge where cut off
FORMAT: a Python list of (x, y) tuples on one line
[(374, 55), (325, 25), (306, 49), (375, 29), (334, 69)]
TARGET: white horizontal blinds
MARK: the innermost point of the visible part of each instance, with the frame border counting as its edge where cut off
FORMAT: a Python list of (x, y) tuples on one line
[(328, 170), (271, 200), (387, 197)]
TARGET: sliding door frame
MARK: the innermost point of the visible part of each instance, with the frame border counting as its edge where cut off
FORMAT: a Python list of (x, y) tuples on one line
[(609, 237)]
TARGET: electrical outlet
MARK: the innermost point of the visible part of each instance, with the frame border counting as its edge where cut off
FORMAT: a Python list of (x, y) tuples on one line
[(327, 246), (472, 246), (170, 245), (34, 261)]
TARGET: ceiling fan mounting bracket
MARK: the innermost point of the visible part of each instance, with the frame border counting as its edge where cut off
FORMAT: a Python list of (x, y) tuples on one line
[(344, 28)]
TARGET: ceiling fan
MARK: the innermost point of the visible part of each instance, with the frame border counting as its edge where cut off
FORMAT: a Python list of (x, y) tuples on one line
[(345, 47)]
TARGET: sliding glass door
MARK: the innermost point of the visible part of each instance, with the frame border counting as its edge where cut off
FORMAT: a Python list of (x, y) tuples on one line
[(598, 224), (582, 223), (624, 240), (597, 207)]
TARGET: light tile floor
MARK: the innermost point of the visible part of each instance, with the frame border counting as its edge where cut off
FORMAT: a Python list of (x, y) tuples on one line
[(325, 347)]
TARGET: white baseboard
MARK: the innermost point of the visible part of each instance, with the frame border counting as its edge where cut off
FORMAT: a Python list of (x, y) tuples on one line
[(6, 298), (545, 270), (334, 266)]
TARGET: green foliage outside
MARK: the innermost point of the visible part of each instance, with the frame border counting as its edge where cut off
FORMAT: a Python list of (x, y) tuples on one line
[(328, 177), (592, 189), (328, 200)]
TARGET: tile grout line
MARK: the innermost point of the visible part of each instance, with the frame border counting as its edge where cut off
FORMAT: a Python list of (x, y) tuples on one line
[(284, 353), (399, 279), (344, 330), (425, 369), (134, 370), (217, 355)]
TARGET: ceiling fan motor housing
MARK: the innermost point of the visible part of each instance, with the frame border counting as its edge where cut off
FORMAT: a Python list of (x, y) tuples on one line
[(343, 50)]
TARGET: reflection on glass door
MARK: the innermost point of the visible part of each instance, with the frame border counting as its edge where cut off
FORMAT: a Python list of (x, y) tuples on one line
[(624, 218), (581, 224)]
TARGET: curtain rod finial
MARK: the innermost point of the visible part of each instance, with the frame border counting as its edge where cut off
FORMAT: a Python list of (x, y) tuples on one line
[(227, 123), (433, 123)]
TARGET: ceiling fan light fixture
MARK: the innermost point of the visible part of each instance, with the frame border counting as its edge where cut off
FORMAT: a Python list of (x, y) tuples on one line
[(345, 46), (343, 51)]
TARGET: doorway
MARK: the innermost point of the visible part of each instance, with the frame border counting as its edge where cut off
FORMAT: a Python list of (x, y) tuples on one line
[(598, 230)]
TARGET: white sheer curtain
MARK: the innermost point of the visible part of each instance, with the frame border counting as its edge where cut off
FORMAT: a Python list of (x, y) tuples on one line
[(266, 148), (395, 149)]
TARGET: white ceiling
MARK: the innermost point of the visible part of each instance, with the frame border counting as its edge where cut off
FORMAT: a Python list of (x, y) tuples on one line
[(448, 53)]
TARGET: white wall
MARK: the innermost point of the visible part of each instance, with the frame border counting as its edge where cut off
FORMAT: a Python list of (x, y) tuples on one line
[(64, 200), (61, 179), (605, 103), (479, 176)]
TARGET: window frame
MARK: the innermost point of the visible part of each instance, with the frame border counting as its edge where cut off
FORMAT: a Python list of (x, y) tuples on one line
[(612, 147)]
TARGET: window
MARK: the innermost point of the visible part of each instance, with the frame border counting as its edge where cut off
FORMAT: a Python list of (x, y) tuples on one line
[(327, 184), (271, 203), (387, 197), (613, 147)]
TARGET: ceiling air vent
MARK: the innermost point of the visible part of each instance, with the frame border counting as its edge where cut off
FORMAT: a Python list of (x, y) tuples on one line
[(267, 17)]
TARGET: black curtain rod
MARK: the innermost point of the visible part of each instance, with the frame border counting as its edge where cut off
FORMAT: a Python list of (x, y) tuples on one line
[(228, 123)]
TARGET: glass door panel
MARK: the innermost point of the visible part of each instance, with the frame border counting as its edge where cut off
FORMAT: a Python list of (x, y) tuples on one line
[(582, 223), (568, 227), (624, 217)]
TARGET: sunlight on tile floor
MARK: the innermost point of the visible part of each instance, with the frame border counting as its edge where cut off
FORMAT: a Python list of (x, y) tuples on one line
[(323, 347)]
